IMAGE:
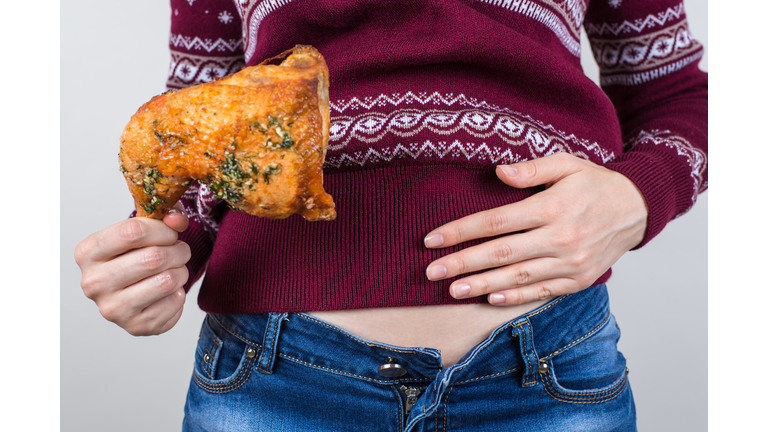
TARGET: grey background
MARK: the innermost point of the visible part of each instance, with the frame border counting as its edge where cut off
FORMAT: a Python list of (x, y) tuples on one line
[(114, 57)]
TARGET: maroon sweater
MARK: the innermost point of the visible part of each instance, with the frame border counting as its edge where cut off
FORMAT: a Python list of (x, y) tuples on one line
[(427, 98)]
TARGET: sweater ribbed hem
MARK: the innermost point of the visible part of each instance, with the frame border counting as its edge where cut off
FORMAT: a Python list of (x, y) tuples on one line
[(371, 256)]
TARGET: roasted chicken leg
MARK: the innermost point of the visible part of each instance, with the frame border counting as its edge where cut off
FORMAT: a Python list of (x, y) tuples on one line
[(257, 138)]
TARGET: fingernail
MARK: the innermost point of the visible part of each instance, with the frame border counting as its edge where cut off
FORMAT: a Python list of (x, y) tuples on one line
[(175, 210), (434, 240), (461, 290), (509, 170), (496, 298), (436, 272)]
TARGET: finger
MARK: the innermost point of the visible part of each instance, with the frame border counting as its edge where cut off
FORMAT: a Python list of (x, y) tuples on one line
[(513, 276), (122, 237), (172, 322), (506, 219), (541, 171), (176, 218), (144, 293), (138, 265), (491, 254), (153, 319), (536, 291)]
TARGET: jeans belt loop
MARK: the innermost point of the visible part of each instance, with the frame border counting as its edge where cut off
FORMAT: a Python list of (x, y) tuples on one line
[(527, 352), (271, 335)]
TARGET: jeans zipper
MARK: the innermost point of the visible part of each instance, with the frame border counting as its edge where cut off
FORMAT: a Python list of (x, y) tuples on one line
[(411, 396)]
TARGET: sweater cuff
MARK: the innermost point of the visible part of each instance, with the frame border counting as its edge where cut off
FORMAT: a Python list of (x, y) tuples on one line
[(654, 183), (670, 173), (201, 246)]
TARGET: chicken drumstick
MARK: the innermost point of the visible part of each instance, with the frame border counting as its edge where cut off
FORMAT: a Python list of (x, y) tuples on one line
[(257, 138)]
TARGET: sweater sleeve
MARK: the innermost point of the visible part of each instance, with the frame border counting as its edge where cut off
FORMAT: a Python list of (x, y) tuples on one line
[(205, 43), (648, 64)]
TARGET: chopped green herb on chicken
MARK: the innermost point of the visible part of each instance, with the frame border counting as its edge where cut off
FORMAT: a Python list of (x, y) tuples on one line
[(272, 169)]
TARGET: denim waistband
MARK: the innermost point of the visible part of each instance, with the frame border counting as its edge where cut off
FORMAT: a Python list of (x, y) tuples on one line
[(518, 345)]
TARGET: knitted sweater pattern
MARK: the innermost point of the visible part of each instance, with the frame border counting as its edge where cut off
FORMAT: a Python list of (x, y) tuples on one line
[(426, 99)]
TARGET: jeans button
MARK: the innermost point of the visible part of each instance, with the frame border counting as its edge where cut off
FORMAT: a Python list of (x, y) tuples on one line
[(391, 369), (250, 352)]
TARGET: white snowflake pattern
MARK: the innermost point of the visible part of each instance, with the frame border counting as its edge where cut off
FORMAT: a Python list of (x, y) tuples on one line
[(225, 17), (614, 3), (185, 71), (176, 12), (190, 2)]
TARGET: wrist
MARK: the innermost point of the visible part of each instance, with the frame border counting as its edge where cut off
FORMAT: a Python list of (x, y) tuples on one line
[(636, 209)]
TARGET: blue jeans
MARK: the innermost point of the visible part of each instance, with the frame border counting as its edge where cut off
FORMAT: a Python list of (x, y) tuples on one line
[(553, 369)]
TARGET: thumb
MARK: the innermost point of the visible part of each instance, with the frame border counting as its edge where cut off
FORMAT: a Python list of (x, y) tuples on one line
[(546, 170), (176, 218)]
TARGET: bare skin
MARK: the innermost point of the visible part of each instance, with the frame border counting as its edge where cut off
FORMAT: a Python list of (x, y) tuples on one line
[(576, 229)]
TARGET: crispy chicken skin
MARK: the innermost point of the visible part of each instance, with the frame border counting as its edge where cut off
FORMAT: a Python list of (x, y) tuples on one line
[(257, 138)]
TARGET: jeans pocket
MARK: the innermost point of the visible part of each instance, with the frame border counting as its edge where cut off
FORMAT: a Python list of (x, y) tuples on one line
[(589, 370), (223, 361)]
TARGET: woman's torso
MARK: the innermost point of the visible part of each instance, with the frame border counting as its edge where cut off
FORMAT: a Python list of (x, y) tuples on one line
[(422, 110)]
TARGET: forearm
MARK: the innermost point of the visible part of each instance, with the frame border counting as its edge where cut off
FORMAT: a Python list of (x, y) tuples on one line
[(649, 69)]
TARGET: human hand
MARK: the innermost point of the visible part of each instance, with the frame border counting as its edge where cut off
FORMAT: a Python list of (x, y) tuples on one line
[(135, 272), (561, 239)]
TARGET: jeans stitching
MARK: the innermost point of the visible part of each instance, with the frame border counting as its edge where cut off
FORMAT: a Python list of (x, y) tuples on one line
[(271, 337), (234, 333), (615, 390), (445, 410), (548, 306), (552, 382), (399, 408), (267, 346), (590, 333), (528, 365), (228, 387), (512, 325), (514, 369), (583, 402), (206, 369), (351, 374), (273, 340)]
